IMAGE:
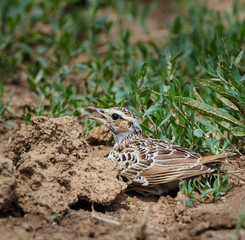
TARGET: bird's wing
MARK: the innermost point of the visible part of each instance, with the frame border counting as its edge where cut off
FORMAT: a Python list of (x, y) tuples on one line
[(173, 163), (159, 162)]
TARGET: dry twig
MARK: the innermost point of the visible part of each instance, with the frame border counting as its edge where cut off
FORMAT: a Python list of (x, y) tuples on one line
[(141, 229), (104, 219)]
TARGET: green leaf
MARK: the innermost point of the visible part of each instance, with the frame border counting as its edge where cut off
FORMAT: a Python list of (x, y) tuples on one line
[(240, 221), (144, 13), (142, 71), (82, 66), (215, 185), (12, 124), (152, 109), (234, 93), (207, 191), (235, 73), (109, 98), (145, 92), (1, 90), (99, 23), (207, 124), (209, 110), (165, 119), (233, 81), (145, 128), (224, 178), (227, 102), (27, 116), (223, 124), (189, 202), (215, 87), (39, 76), (190, 188), (238, 58), (226, 188), (212, 148), (238, 132), (198, 133), (183, 186), (197, 96), (103, 103)]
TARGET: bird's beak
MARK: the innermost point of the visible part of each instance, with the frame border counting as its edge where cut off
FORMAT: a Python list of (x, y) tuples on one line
[(100, 111)]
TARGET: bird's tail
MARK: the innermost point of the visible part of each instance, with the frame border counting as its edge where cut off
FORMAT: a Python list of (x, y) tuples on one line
[(219, 158)]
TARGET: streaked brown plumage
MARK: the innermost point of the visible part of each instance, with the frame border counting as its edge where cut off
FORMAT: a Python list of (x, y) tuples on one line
[(150, 165)]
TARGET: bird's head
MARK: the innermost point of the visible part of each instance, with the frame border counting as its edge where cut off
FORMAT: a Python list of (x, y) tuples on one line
[(123, 123)]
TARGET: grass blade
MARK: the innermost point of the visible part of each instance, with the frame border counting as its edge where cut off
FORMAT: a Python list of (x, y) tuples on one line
[(209, 110), (238, 132)]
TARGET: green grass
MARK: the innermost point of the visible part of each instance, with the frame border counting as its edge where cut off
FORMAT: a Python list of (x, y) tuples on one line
[(4, 108), (239, 225), (188, 88), (207, 189)]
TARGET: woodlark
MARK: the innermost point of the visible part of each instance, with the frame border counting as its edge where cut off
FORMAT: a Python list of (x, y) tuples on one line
[(150, 166)]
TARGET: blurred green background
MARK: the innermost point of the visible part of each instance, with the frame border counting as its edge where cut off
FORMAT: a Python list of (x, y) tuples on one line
[(179, 65)]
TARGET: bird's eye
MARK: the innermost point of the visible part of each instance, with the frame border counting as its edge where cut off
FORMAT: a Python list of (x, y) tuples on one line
[(115, 116)]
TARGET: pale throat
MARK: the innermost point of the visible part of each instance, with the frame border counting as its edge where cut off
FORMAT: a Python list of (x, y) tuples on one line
[(124, 137)]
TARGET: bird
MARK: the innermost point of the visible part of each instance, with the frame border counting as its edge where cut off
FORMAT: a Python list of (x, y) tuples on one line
[(150, 166)]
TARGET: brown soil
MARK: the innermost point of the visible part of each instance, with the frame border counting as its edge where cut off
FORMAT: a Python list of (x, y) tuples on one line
[(100, 136), (55, 168), (51, 178)]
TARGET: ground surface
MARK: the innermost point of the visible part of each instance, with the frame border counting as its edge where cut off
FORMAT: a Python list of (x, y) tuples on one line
[(49, 168)]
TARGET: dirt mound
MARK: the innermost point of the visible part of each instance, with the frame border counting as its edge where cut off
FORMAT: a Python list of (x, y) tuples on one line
[(7, 183), (100, 135), (55, 168)]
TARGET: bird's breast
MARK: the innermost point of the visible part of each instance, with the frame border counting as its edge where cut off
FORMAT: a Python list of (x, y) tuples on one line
[(124, 159)]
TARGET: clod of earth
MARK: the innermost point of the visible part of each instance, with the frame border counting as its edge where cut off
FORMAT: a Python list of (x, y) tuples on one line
[(7, 183), (100, 135), (54, 168)]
